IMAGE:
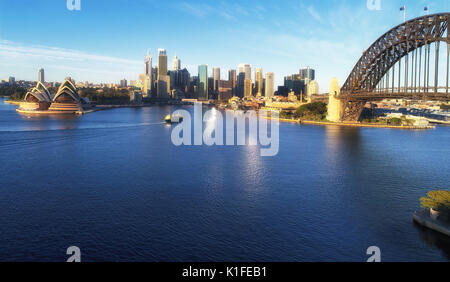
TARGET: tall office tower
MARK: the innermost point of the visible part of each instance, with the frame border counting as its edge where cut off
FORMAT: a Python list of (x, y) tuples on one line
[(232, 78), (148, 64), (149, 78), (41, 77), (247, 87), (307, 74), (162, 62), (123, 83), (176, 63), (240, 81), (163, 85), (258, 81), (216, 76), (247, 69), (202, 88), (269, 84)]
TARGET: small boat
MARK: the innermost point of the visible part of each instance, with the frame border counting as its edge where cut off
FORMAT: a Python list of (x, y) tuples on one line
[(173, 118)]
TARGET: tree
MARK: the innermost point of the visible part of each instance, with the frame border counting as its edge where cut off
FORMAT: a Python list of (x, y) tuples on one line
[(439, 201), (312, 111)]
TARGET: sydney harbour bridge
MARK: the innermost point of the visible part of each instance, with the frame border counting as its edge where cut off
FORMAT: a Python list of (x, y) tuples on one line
[(410, 61)]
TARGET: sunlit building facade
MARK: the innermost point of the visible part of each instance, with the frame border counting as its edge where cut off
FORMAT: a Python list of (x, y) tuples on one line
[(202, 88)]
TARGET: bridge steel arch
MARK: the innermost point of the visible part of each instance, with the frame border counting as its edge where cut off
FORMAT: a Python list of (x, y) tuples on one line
[(385, 52)]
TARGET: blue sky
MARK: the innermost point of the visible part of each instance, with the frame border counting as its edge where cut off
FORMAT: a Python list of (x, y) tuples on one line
[(108, 40)]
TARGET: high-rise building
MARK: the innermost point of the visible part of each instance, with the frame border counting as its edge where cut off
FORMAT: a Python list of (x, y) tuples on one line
[(148, 64), (163, 85), (41, 77), (269, 84), (176, 63), (216, 76), (307, 74), (247, 87), (240, 81), (244, 72), (162, 62), (232, 77), (247, 69), (258, 81), (147, 80), (202, 88), (123, 83)]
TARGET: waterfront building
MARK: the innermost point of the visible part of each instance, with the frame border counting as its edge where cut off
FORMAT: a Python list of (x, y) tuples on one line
[(312, 88), (247, 87), (123, 83), (269, 85), (135, 97), (202, 88), (41, 77), (225, 90), (38, 98), (258, 81), (163, 87), (216, 76), (307, 74), (176, 64)]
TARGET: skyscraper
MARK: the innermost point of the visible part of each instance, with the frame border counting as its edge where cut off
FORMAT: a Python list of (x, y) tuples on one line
[(307, 74), (162, 62), (247, 87), (147, 81), (244, 72), (41, 77), (202, 88), (232, 78), (148, 64), (240, 81), (258, 81), (269, 84), (163, 86), (216, 76), (176, 63), (247, 69)]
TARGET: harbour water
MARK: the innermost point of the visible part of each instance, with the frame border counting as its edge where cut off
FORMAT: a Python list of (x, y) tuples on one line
[(113, 184)]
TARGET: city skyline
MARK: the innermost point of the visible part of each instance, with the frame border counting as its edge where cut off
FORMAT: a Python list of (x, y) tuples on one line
[(302, 43)]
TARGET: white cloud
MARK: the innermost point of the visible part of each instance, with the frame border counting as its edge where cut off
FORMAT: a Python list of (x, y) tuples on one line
[(23, 60), (313, 13)]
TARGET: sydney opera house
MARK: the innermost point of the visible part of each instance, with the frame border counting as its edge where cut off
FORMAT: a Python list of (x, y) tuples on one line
[(66, 100)]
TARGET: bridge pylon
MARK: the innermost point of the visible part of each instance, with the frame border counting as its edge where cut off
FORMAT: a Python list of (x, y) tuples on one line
[(334, 112)]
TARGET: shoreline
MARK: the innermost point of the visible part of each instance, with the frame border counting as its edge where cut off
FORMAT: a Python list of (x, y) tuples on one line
[(309, 122), (423, 218), (356, 124)]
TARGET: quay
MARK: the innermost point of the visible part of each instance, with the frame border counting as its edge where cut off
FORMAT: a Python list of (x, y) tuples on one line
[(423, 218)]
